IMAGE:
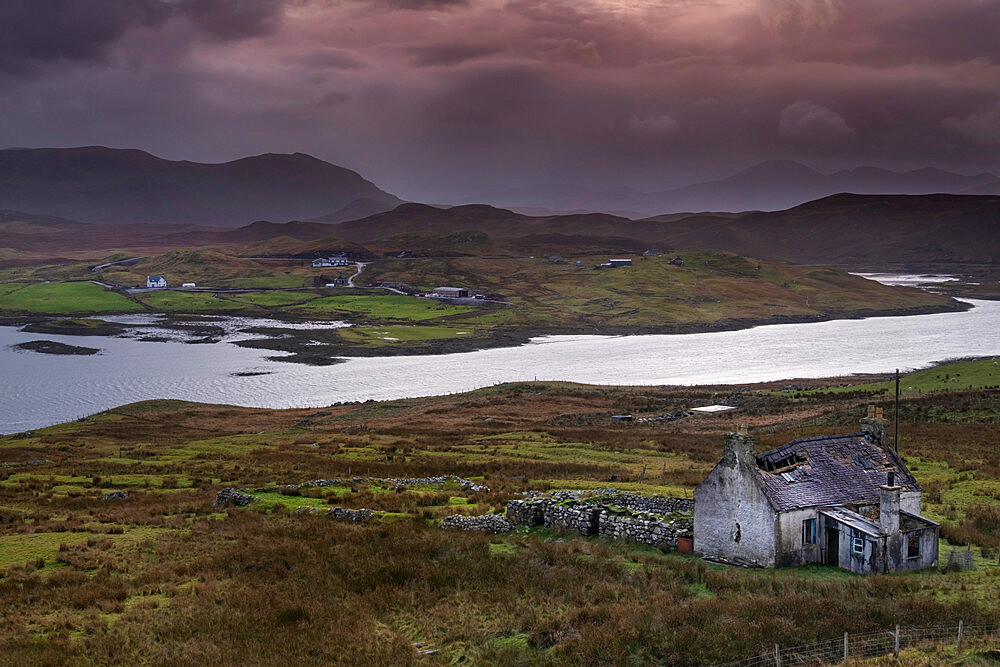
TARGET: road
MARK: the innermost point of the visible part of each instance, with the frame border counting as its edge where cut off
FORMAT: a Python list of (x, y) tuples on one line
[(361, 267)]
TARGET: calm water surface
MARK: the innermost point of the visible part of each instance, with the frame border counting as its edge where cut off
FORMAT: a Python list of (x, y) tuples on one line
[(38, 389)]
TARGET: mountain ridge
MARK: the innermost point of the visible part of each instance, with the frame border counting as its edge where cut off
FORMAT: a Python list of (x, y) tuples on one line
[(104, 185), (770, 185)]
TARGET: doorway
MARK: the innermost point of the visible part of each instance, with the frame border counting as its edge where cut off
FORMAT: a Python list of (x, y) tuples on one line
[(832, 546)]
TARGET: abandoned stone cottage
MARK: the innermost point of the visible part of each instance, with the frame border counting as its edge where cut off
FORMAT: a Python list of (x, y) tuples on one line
[(844, 500)]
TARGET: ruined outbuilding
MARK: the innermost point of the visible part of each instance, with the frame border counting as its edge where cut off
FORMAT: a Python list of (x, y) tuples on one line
[(844, 500)]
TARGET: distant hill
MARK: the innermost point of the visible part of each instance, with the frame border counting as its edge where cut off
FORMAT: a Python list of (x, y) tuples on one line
[(499, 223), (359, 208), (852, 230), (768, 186), (111, 186), (856, 230)]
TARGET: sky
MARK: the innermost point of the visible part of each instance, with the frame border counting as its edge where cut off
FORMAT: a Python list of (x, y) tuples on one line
[(437, 99)]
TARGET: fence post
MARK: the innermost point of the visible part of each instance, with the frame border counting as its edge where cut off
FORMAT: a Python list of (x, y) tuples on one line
[(960, 635), (895, 646), (845, 648), (777, 656)]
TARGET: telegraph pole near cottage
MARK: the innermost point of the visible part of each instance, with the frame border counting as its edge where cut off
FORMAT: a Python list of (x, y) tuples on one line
[(895, 438)]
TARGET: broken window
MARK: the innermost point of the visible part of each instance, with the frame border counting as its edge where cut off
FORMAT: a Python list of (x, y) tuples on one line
[(809, 531), (857, 542), (913, 546)]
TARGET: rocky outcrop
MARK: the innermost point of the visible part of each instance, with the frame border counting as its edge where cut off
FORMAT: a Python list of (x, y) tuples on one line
[(232, 497), (490, 523), (116, 495)]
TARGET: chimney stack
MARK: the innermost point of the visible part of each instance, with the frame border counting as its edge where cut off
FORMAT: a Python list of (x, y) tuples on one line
[(888, 516), (875, 426), (738, 448)]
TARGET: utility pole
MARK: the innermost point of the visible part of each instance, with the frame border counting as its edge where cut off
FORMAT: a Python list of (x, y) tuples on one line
[(895, 438)]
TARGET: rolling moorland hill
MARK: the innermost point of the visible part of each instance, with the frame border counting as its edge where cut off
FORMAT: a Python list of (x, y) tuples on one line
[(105, 185), (769, 186), (857, 230), (843, 229)]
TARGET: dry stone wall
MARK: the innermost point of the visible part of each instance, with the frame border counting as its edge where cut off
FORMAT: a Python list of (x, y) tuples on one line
[(490, 523), (654, 520)]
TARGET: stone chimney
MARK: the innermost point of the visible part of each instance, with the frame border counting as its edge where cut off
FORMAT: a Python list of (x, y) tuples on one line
[(738, 448), (876, 426), (888, 516)]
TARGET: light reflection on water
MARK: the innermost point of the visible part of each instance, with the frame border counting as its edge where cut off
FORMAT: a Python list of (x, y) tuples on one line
[(38, 389)]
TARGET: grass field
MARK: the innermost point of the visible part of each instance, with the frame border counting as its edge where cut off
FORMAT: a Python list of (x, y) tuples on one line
[(961, 376), (272, 298), (710, 286), (65, 298), (382, 307), (166, 577), (186, 302)]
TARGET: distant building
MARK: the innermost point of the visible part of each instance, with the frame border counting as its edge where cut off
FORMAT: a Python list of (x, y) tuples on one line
[(843, 500), (332, 260), (619, 262), (156, 282), (450, 292), (188, 285), (337, 282), (677, 261)]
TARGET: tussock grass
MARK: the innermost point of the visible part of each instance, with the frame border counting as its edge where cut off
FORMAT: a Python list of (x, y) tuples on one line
[(165, 577)]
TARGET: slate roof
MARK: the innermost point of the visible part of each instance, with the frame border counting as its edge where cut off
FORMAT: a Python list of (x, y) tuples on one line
[(854, 520), (832, 470)]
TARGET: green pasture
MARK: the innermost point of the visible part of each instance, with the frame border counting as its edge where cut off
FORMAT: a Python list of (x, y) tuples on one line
[(64, 298), (381, 307)]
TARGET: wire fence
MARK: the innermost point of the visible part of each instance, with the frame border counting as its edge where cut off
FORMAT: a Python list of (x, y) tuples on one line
[(868, 645)]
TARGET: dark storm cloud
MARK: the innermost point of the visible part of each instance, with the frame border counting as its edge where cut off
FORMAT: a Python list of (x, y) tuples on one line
[(437, 55), (33, 32), (598, 92), (233, 19)]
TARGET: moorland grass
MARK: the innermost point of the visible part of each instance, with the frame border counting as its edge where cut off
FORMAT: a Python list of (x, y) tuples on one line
[(382, 307), (186, 302), (167, 577), (66, 298)]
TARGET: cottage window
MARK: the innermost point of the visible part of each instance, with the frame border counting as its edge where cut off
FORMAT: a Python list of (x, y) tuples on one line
[(913, 546), (809, 531), (857, 543)]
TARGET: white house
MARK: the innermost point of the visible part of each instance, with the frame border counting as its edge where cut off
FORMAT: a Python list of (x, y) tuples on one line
[(156, 282), (332, 260), (188, 285)]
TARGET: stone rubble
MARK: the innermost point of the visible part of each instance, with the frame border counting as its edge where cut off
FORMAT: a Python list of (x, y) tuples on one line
[(362, 514), (490, 523), (232, 496), (395, 481), (116, 495)]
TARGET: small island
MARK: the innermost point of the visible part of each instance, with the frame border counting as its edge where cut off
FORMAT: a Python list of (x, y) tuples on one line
[(52, 347)]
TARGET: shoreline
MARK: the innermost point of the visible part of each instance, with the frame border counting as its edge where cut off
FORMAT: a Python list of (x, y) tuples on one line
[(297, 342), (300, 345)]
